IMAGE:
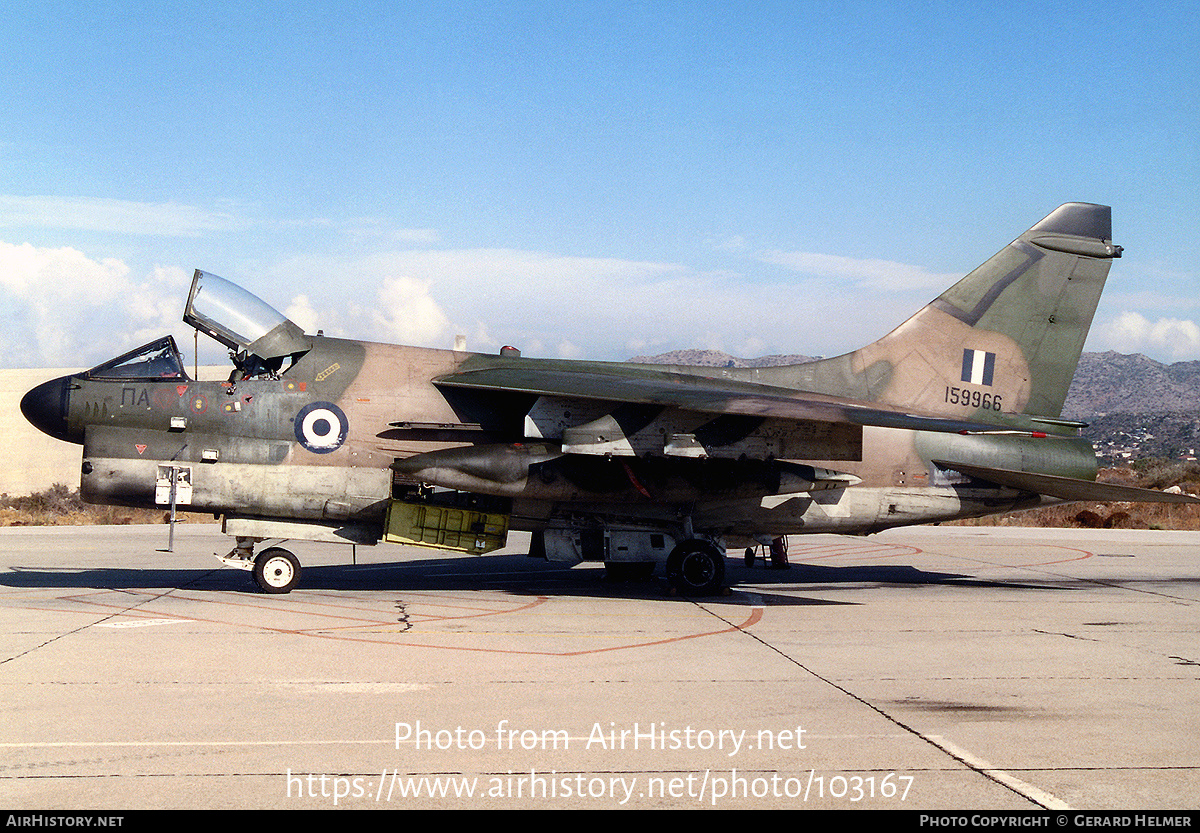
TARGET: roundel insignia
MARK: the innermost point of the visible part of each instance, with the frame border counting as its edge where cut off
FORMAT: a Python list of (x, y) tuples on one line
[(321, 427)]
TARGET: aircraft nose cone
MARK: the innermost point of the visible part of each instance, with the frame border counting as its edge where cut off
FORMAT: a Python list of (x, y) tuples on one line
[(46, 407)]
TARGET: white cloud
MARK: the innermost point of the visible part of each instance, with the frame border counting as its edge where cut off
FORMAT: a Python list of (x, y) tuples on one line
[(155, 305), (732, 244), (874, 274), (62, 308), (602, 308), (301, 312), (406, 313), (121, 216), (495, 296), (386, 231), (1131, 332), (751, 347), (568, 350), (31, 272)]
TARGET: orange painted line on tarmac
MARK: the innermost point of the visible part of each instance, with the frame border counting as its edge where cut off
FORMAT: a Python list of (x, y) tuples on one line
[(1082, 557), (332, 631), (850, 551)]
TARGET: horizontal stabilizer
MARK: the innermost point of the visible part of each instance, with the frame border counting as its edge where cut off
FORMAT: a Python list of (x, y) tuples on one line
[(1067, 488)]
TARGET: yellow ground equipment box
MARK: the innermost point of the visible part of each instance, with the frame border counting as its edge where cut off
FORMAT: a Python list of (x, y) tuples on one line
[(445, 527)]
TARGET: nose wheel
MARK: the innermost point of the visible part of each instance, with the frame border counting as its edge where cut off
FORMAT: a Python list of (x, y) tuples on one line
[(276, 570)]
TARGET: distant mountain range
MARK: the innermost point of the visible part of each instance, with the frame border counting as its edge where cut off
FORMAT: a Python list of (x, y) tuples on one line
[(1117, 383), (1135, 406), (715, 358)]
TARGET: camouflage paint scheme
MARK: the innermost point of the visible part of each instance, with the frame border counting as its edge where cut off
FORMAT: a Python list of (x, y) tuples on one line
[(955, 413)]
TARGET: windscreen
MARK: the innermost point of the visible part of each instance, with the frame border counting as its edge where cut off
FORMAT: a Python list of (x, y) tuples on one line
[(156, 360)]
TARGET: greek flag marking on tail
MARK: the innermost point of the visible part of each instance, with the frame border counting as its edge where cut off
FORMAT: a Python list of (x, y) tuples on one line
[(978, 366)]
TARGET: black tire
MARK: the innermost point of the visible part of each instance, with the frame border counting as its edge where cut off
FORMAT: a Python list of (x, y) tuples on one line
[(748, 558), (696, 568), (276, 570)]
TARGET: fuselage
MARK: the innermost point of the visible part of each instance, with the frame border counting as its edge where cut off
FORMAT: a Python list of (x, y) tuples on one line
[(326, 440)]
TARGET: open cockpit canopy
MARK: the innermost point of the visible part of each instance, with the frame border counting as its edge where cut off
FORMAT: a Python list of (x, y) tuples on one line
[(241, 321)]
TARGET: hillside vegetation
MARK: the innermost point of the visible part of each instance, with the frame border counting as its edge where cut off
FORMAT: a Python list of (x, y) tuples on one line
[(60, 506), (1147, 474)]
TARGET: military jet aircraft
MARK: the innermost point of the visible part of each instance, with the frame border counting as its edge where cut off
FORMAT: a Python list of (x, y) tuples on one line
[(955, 413)]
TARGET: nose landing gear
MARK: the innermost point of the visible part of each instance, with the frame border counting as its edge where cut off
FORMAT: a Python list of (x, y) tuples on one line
[(275, 569)]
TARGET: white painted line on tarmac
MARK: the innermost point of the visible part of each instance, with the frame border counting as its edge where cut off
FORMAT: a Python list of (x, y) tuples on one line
[(139, 623), (1038, 796)]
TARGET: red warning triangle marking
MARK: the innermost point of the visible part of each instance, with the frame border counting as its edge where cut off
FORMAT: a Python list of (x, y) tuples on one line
[(140, 448)]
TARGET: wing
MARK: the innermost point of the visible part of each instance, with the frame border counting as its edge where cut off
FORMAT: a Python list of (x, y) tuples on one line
[(699, 393)]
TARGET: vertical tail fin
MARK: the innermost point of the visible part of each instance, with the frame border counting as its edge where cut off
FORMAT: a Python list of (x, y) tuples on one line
[(1007, 337)]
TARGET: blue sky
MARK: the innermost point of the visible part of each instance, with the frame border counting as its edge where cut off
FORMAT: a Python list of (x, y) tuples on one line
[(592, 180)]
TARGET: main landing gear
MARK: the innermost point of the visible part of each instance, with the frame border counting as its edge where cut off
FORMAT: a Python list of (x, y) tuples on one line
[(696, 568), (275, 569)]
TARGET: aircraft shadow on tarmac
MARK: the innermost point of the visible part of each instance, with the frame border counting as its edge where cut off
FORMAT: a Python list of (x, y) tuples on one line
[(514, 574)]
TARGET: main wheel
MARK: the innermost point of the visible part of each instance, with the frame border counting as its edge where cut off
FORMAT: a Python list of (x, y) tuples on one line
[(696, 568), (276, 570)]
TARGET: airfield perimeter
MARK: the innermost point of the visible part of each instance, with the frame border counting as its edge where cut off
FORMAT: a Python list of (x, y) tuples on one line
[(930, 668)]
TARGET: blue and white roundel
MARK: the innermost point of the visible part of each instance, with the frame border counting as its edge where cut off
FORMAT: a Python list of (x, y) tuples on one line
[(321, 427)]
